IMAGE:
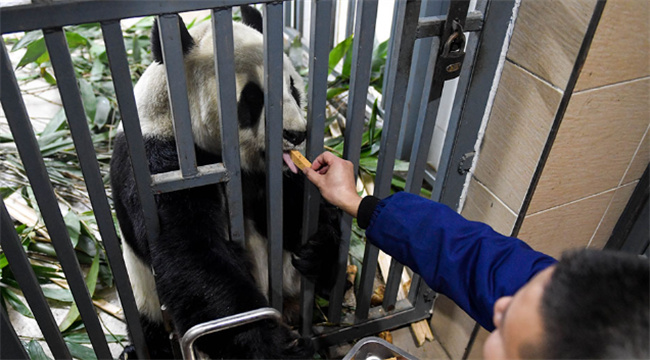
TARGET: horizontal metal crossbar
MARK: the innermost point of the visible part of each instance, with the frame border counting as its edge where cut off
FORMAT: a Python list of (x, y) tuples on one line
[(174, 180), (434, 25), (61, 13)]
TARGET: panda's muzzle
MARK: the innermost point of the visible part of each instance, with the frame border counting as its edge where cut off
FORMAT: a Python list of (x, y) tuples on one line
[(294, 137)]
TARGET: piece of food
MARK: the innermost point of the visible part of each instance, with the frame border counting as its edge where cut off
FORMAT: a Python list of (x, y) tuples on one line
[(300, 161)]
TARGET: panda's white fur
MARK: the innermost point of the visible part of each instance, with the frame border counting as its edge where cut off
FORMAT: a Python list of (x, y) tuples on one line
[(201, 275), (156, 120), (153, 103)]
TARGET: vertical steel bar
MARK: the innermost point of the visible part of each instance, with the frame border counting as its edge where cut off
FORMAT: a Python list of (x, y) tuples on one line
[(11, 347), (37, 174), (349, 26), (273, 85), (116, 52), (424, 129), (424, 126), (299, 13), (333, 29), (386, 85), (29, 285), (287, 5), (408, 13), (355, 120), (227, 103), (319, 39), (170, 40), (418, 84)]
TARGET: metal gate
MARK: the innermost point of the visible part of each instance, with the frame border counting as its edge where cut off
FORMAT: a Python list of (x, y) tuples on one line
[(485, 26)]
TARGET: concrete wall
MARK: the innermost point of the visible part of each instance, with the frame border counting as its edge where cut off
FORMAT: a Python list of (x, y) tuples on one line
[(601, 148)]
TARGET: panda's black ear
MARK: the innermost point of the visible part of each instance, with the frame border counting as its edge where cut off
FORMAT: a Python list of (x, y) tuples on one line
[(187, 42), (252, 17)]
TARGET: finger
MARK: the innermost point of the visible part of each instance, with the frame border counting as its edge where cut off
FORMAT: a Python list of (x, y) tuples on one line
[(312, 176)]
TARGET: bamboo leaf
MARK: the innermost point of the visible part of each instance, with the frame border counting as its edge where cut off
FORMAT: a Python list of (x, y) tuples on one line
[(337, 53), (59, 294), (34, 51), (91, 279), (91, 282), (35, 351), (5, 192), (15, 302), (81, 352), (83, 338), (48, 77), (74, 227), (102, 112), (332, 92), (29, 38), (97, 70), (3, 261), (88, 98), (75, 39), (55, 124)]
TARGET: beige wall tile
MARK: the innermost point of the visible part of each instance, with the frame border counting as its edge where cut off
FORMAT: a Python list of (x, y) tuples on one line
[(640, 161), (521, 117), (621, 46), (597, 139), (482, 206), (565, 227), (476, 353), (548, 35), (451, 326), (614, 211)]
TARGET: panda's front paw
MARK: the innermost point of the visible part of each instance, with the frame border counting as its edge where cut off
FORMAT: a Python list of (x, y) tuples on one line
[(128, 353)]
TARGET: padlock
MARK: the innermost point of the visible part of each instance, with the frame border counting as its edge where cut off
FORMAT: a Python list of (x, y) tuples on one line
[(451, 59)]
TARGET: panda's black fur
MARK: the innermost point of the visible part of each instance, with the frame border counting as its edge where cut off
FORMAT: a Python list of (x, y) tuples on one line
[(200, 274)]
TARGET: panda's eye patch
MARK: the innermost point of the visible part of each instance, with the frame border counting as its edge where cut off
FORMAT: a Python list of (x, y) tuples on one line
[(294, 91), (250, 105)]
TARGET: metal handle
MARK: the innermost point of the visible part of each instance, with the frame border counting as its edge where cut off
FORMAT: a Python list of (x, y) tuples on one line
[(229, 322)]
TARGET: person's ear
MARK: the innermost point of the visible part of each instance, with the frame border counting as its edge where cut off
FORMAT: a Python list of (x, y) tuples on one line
[(499, 309)]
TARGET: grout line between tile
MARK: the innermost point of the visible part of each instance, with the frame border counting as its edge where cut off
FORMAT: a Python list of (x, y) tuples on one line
[(573, 201), (622, 82), (561, 91), (495, 196), (638, 148), (605, 214)]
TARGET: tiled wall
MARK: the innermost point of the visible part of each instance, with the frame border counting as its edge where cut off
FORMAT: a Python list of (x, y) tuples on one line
[(601, 148)]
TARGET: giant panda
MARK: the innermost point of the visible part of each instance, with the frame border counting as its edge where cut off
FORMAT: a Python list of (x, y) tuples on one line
[(200, 274)]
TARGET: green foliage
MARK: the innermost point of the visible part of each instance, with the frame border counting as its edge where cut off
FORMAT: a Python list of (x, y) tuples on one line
[(90, 63)]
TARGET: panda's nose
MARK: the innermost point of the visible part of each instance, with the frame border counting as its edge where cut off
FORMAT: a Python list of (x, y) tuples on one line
[(294, 137)]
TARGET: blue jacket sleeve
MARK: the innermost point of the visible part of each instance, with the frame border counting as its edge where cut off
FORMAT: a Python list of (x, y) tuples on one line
[(464, 260)]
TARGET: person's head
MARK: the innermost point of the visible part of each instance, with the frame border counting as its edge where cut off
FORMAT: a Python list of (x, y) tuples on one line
[(590, 305)]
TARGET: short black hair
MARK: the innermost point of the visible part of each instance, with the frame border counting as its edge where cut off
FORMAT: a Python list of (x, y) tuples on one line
[(596, 306)]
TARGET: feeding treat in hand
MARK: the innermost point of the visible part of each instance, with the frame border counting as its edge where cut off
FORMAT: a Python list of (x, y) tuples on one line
[(300, 161)]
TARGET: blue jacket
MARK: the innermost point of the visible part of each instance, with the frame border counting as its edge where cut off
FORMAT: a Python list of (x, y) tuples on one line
[(464, 260)]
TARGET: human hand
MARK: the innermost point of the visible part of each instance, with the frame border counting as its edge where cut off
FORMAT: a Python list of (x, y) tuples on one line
[(334, 178)]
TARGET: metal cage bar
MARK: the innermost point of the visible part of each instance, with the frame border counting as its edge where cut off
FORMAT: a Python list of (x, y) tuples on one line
[(408, 12), (170, 41), (360, 79), (227, 104), (35, 168), (273, 85), (30, 287), (116, 53), (424, 128), (415, 93), (316, 100), (49, 14), (11, 346)]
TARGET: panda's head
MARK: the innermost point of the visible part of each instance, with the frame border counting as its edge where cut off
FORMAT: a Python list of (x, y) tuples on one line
[(153, 103)]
